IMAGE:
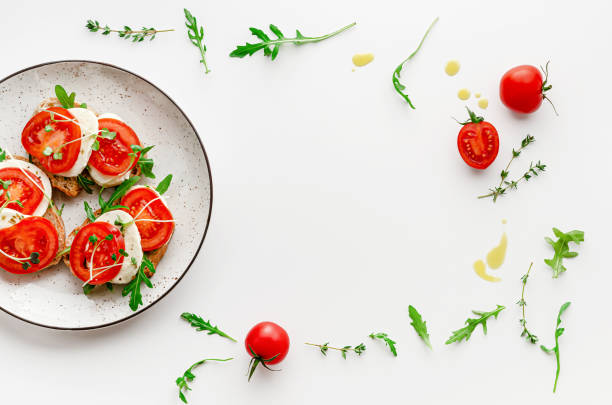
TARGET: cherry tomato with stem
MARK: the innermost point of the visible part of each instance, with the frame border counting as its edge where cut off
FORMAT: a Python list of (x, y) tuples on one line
[(267, 343), (478, 142), (523, 88)]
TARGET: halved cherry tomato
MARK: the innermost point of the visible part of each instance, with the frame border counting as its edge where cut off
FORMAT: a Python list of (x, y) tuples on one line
[(113, 156), (267, 343), (21, 188), (153, 235), (478, 142), (107, 260), (42, 132), (31, 235)]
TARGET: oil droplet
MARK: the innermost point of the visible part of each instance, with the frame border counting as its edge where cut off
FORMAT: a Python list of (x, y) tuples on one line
[(481, 270), (452, 67), (477, 95), (483, 103), (362, 59), (504, 221), (463, 94), (495, 258)]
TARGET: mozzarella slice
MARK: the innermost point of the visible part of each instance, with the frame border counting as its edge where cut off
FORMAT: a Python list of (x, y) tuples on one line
[(46, 189), (132, 245), (10, 217), (102, 179), (89, 125)]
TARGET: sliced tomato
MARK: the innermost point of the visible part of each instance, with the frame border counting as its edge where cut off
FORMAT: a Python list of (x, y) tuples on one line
[(20, 187), (153, 234), (100, 255), (31, 235), (113, 158), (43, 132), (478, 142)]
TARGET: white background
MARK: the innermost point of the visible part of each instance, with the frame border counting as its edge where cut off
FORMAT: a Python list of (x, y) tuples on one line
[(335, 205)]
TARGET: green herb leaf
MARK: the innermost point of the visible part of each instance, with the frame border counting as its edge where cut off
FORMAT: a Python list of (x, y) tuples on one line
[(399, 87), (87, 288), (383, 336), (146, 166), (271, 46), (419, 325), (85, 183), (133, 287), (196, 36), (126, 32), (521, 303), (558, 332), (65, 100), (188, 376), (360, 348), (201, 325), (89, 212), (163, 185), (562, 251), (119, 192), (466, 332)]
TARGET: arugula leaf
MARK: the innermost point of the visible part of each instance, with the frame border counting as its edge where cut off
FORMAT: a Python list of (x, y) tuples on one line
[(89, 212), (561, 247), (272, 46), (2, 155), (119, 192), (87, 288), (188, 376), (163, 185), (145, 164), (399, 87), (200, 325), (196, 36), (419, 325), (67, 101), (466, 332), (383, 336), (558, 332), (85, 183), (133, 287)]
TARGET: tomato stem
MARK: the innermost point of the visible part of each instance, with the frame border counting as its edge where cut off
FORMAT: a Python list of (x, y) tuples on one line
[(546, 87), (256, 360), (474, 119)]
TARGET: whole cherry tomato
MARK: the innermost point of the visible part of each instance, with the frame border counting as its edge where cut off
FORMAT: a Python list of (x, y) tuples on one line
[(267, 343), (523, 88), (478, 142)]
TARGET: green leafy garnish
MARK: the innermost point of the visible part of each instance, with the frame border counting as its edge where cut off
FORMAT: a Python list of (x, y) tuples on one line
[(504, 184), (188, 376), (126, 32), (200, 325), (85, 183), (196, 35), (558, 332), (2, 155), (272, 46), (67, 101), (522, 303), (399, 87), (87, 288), (119, 192), (133, 287), (89, 212), (145, 164), (390, 342), (419, 325), (466, 332), (163, 185), (562, 250), (360, 348)]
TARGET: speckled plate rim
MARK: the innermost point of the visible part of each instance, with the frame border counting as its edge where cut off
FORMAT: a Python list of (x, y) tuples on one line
[(209, 209)]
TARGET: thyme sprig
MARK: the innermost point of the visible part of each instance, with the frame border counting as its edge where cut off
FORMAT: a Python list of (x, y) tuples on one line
[(388, 341), (504, 184), (188, 376), (272, 46), (558, 332), (360, 348), (399, 87), (201, 325), (522, 303), (562, 251), (126, 32), (466, 331), (196, 36)]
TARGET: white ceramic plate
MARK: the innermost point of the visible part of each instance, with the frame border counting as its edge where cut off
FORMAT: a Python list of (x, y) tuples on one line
[(54, 298)]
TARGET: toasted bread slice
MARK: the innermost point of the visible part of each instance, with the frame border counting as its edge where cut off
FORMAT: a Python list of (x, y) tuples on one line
[(57, 221), (154, 256)]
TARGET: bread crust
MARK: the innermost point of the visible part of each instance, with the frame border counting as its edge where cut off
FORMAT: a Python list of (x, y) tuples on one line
[(154, 256)]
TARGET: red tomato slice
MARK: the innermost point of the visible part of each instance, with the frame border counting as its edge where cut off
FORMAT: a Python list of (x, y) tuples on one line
[(153, 235), (106, 253), (113, 156), (35, 139), (30, 235), (478, 142), (21, 188)]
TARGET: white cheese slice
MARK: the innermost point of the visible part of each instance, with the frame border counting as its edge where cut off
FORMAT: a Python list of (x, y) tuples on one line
[(46, 184), (89, 126), (132, 245), (10, 217)]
